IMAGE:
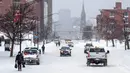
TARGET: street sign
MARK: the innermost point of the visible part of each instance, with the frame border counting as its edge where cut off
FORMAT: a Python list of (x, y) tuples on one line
[(35, 36)]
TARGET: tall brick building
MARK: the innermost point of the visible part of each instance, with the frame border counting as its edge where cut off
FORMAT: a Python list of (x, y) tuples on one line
[(110, 22)]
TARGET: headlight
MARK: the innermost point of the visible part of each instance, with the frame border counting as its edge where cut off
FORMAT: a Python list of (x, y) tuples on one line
[(61, 51)]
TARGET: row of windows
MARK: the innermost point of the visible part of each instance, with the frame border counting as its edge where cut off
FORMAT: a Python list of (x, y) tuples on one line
[(13, 0), (126, 14)]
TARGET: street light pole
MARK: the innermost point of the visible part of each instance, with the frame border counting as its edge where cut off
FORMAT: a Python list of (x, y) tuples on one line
[(17, 19), (126, 35), (42, 26)]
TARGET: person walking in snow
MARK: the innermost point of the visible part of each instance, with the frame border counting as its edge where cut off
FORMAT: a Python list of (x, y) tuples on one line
[(19, 60), (43, 48), (59, 43)]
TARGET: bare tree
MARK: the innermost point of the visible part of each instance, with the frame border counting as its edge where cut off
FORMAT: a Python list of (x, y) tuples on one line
[(11, 29), (110, 29)]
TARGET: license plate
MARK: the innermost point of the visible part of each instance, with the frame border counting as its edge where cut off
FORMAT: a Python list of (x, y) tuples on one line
[(65, 53), (97, 59)]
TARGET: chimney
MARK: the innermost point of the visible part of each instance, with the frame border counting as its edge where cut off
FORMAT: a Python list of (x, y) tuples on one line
[(118, 5)]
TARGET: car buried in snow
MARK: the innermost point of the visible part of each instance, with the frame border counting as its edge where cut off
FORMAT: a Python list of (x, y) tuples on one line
[(31, 56), (65, 51), (97, 55)]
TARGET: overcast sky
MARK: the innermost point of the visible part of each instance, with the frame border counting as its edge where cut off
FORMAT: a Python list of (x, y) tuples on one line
[(91, 6)]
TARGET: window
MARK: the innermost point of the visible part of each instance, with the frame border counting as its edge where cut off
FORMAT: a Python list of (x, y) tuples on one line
[(97, 50), (126, 21), (16, 1), (126, 14), (112, 14)]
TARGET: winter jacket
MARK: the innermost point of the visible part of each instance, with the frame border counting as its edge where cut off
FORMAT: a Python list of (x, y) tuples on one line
[(19, 59)]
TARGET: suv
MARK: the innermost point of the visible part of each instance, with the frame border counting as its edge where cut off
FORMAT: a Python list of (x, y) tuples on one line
[(65, 51), (97, 55), (87, 47), (31, 56)]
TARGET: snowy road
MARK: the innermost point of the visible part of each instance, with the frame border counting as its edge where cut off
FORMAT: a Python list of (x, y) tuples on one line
[(51, 62)]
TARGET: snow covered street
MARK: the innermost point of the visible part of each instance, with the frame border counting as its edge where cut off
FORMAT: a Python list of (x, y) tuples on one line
[(51, 62)]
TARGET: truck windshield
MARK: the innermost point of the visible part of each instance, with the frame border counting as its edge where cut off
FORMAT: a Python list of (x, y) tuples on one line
[(64, 48), (97, 50), (88, 45)]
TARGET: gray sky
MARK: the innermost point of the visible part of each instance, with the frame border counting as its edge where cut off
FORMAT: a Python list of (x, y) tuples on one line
[(91, 6)]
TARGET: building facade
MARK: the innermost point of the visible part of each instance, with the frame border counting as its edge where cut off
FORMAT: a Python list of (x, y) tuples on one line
[(64, 28), (85, 28), (5, 4), (111, 22)]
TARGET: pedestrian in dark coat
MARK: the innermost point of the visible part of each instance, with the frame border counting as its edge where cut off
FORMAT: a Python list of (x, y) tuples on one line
[(43, 48), (59, 43), (19, 60)]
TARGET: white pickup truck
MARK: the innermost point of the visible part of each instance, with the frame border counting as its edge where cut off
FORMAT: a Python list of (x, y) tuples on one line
[(97, 55)]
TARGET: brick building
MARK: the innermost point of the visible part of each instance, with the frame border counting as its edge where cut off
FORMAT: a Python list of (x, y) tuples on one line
[(5, 4), (110, 22)]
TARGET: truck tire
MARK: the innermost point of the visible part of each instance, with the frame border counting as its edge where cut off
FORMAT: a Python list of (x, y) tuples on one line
[(105, 63), (88, 63), (38, 63)]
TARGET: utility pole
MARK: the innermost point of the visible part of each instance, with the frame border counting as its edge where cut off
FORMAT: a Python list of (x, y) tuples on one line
[(42, 26)]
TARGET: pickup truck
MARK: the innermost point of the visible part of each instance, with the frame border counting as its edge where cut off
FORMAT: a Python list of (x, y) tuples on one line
[(96, 56)]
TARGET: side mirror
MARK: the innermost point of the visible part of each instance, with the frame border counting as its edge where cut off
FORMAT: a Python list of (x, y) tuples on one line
[(108, 51), (86, 52)]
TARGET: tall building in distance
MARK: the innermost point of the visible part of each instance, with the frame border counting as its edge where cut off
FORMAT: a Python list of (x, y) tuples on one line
[(85, 28), (83, 19), (50, 14), (64, 28)]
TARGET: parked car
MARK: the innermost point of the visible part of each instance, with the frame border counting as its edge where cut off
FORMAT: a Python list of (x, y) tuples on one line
[(70, 44), (65, 51), (87, 47), (97, 55), (31, 56)]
